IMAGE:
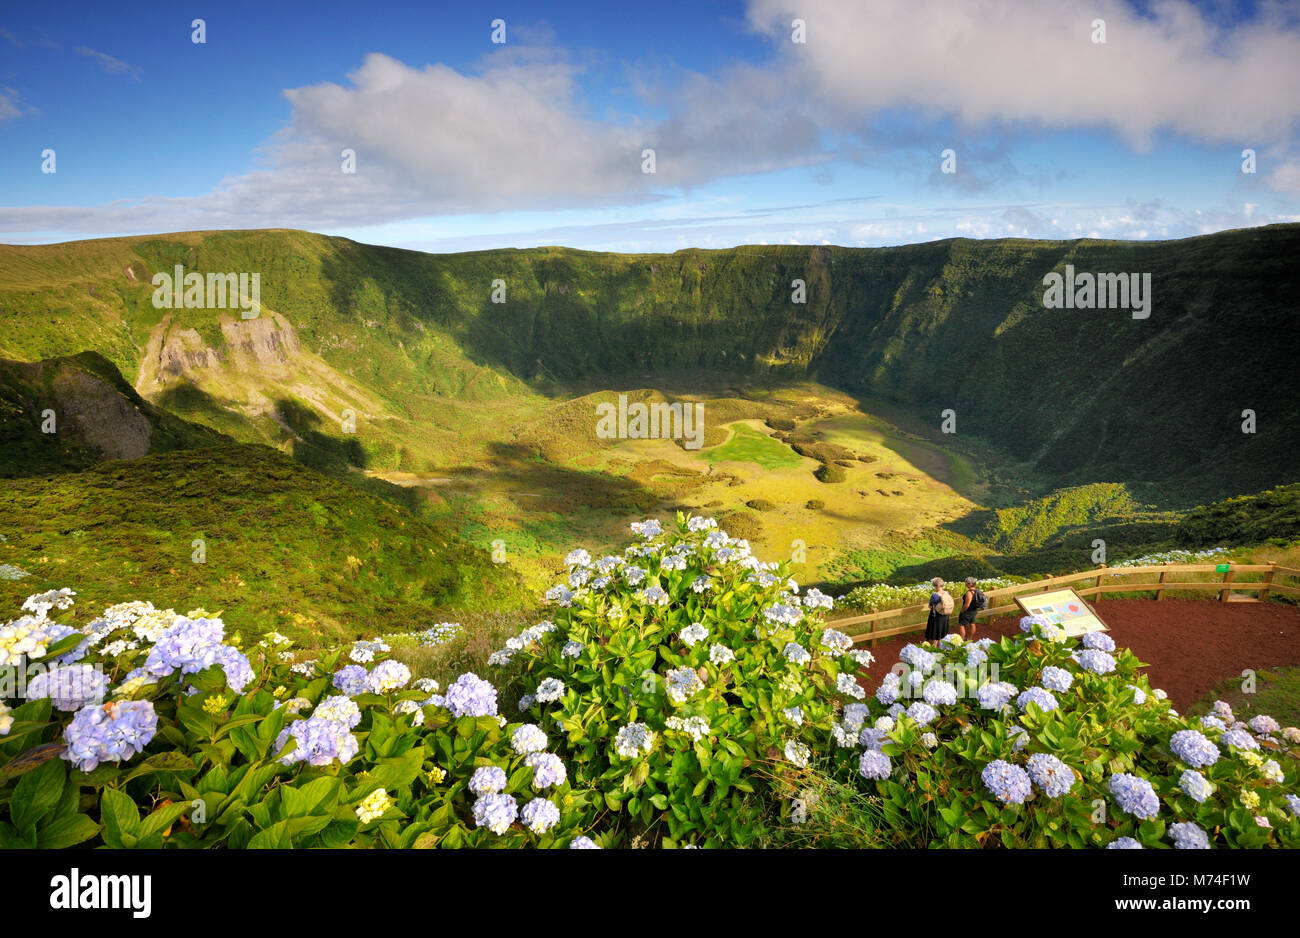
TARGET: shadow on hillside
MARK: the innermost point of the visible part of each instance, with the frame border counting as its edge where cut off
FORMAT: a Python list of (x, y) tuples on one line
[(314, 448), (188, 401), (524, 472)]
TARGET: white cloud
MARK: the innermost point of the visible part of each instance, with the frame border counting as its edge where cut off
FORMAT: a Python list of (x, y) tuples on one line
[(984, 61), (108, 63), (515, 134)]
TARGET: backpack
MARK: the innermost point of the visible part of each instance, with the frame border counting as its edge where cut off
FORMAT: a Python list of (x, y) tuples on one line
[(945, 603), (979, 600)]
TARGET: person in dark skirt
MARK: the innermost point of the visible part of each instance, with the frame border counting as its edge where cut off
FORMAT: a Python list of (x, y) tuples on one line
[(941, 606)]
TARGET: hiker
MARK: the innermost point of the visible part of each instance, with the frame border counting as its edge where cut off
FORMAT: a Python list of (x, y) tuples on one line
[(971, 603), (941, 606)]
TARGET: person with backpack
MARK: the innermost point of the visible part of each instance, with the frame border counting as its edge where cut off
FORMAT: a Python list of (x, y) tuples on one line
[(971, 603), (941, 606)]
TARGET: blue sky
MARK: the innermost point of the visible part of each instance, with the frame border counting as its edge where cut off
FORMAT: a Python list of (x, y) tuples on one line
[(465, 144)]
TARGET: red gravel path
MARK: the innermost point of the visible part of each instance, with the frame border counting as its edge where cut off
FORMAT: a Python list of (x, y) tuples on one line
[(1190, 645)]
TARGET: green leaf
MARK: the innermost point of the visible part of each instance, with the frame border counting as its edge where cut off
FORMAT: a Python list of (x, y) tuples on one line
[(275, 837), (163, 818), (37, 793), (120, 817), (169, 761), (66, 832)]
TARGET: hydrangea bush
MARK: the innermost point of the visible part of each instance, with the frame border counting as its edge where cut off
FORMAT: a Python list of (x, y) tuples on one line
[(1041, 740), (684, 676), (227, 747), (682, 693)]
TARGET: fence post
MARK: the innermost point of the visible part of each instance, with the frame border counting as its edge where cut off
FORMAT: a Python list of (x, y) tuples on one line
[(1268, 580), (872, 630), (1096, 598), (1160, 592), (1227, 578)]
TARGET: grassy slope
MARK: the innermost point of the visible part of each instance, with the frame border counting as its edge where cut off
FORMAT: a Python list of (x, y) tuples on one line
[(956, 323), (286, 547)]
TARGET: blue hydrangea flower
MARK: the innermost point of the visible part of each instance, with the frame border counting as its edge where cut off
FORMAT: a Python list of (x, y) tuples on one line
[(1195, 785), (583, 843), (69, 688), (1009, 783), (922, 713), (918, 657), (939, 693), (855, 714), (487, 780), (721, 654), (1098, 641), (1057, 679), (1122, 843), (338, 709), (1027, 623), (1019, 737), (1194, 749), (111, 733), (318, 741), (528, 738), (471, 696), (1134, 795), (388, 676), (995, 696), (496, 812), (351, 680), (189, 645), (239, 673), (845, 684), (1189, 836), (550, 690), (1264, 725), (548, 770), (874, 764), (816, 599), (1098, 662), (1050, 774), (1037, 695), (1238, 739), (540, 815), (1213, 723)]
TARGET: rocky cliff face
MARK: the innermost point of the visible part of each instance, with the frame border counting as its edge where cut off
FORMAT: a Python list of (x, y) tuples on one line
[(99, 416), (69, 413)]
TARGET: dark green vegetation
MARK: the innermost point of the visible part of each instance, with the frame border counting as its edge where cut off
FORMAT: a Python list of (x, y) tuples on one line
[(282, 546), (1072, 425), (1080, 395)]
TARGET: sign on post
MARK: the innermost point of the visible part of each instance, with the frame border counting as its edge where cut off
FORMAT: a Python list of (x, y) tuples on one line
[(1065, 608)]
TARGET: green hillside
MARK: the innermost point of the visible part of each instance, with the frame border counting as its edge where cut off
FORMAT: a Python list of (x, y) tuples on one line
[(283, 547), (413, 344)]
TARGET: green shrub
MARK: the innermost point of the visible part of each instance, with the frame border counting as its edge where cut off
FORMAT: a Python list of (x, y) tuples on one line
[(815, 504), (689, 639), (760, 504), (251, 750), (1107, 759), (829, 472)]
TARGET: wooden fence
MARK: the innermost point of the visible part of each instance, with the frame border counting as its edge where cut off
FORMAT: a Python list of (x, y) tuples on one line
[(877, 626)]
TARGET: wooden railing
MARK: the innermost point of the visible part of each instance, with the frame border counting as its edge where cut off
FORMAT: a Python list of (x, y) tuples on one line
[(867, 628)]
